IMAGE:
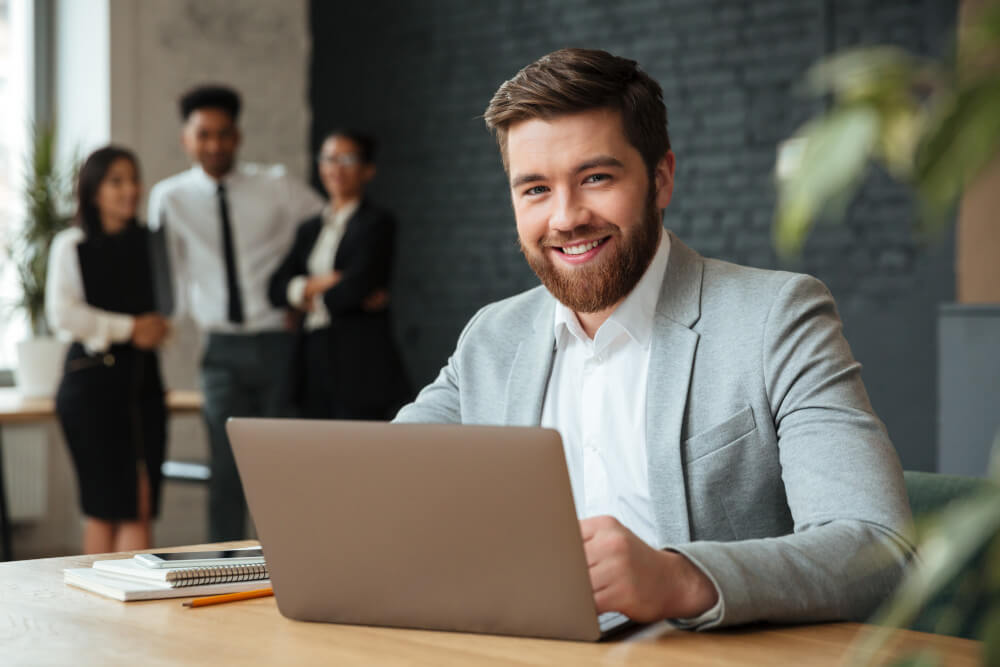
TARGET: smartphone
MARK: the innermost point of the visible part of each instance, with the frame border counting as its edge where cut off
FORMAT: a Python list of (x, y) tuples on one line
[(202, 558)]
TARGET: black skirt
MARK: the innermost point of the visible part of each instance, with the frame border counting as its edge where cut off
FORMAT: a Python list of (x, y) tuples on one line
[(113, 414)]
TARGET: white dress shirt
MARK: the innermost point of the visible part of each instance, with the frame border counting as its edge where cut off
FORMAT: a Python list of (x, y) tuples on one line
[(66, 307), (596, 399), (320, 262), (265, 207)]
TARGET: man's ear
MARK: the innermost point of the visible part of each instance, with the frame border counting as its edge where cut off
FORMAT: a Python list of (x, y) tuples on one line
[(663, 176)]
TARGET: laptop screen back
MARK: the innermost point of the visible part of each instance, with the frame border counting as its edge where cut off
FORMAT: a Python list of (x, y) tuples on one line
[(446, 527)]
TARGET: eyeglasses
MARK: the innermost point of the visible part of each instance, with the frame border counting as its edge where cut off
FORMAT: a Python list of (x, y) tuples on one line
[(342, 159)]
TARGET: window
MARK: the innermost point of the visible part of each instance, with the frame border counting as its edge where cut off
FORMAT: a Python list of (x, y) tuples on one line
[(15, 105)]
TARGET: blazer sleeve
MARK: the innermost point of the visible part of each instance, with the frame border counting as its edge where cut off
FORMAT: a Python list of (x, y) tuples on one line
[(842, 478), (292, 265), (440, 402), (366, 268)]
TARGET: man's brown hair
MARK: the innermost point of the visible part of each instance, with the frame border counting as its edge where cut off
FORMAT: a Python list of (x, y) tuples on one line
[(574, 80)]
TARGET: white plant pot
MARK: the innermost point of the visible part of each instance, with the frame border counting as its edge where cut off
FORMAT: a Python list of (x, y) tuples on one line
[(39, 366)]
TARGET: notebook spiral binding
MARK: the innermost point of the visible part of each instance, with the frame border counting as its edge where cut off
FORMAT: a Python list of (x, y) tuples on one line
[(217, 574)]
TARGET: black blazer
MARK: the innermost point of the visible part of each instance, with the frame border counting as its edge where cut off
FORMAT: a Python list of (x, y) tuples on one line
[(364, 362)]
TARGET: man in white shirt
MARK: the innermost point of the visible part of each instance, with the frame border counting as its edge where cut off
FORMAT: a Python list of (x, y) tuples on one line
[(227, 225), (725, 462)]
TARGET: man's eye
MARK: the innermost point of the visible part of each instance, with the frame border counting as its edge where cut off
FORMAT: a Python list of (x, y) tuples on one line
[(597, 178), (536, 190)]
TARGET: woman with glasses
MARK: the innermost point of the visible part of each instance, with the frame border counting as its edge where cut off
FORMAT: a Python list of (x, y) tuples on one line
[(336, 275)]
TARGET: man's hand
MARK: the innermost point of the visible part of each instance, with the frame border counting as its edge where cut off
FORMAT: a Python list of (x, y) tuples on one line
[(646, 584), (149, 330), (316, 285)]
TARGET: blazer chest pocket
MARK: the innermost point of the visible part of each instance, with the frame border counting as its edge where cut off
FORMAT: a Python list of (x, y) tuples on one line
[(720, 435)]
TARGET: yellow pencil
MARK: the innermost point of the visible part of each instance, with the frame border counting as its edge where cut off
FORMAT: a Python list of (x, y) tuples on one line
[(229, 597)]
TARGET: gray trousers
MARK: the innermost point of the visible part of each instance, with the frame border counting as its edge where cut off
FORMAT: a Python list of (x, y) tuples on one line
[(242, 375)]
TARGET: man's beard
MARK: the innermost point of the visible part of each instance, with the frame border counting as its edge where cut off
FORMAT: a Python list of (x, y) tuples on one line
[(597, 286)]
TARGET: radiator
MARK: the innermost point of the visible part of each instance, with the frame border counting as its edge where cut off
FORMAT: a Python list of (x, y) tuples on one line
[(26, 471)]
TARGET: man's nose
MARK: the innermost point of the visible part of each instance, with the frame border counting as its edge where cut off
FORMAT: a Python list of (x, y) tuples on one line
[(568, 212)]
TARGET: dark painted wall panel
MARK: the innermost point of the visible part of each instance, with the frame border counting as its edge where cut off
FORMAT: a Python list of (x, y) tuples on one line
[(419, 74)]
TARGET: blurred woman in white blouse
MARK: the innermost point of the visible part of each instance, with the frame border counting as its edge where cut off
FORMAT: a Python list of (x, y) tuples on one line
[(110, 403)]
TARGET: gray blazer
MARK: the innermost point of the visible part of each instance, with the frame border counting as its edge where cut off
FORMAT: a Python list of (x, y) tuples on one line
[(767, 466)]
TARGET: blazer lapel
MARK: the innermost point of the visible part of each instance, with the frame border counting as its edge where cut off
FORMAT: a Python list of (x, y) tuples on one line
[(529, 374), (671, 359), (311, 234), (352, 228)]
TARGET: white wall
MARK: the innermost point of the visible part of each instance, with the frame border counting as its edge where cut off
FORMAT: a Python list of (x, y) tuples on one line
[(163, 47), (82, 77), (121, 65)]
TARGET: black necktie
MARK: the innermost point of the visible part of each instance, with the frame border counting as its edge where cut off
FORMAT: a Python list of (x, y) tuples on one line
[(233, 285)]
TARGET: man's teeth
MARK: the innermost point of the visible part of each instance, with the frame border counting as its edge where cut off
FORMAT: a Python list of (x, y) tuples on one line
[(580, 249)]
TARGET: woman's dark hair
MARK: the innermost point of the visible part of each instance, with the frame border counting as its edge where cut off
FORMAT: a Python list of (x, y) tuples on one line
[(365, 142), (92, 174)]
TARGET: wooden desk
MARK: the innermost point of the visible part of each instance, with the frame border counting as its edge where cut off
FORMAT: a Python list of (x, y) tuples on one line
[(42, 620), (15, 409)]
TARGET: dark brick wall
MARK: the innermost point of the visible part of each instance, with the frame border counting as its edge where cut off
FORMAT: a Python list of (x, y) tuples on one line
[(420, 73)]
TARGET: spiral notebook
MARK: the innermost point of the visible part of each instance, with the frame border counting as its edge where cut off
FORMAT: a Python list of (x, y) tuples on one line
[(123, 588), (124, 579), (184, 576)]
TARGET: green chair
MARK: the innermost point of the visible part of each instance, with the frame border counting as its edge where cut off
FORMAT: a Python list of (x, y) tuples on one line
[(930, 493)]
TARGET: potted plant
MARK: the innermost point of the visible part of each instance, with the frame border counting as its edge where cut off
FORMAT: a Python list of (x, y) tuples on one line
[(39, 357), (936, 127)]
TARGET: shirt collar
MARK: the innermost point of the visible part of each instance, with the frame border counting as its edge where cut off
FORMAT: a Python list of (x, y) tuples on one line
[(335, 219), (204, 180), (634, 315)]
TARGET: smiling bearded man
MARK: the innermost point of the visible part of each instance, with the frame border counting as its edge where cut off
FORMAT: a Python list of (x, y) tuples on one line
[(725, 462), (601, 285)]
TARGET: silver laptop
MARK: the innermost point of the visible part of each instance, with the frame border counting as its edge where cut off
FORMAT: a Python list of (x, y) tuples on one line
[(467, 528)]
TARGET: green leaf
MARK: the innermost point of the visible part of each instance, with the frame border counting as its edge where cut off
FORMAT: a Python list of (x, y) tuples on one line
[(834, 155), (961, 530), (979, 41), (902, 124), (992, 574), (46, 196), (990, 632), (994, 467), (962, 137), (863, 73), (923, 658)]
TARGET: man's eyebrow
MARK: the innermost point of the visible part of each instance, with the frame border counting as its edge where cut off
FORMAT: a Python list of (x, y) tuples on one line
[(525, 178), (598, 161)]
